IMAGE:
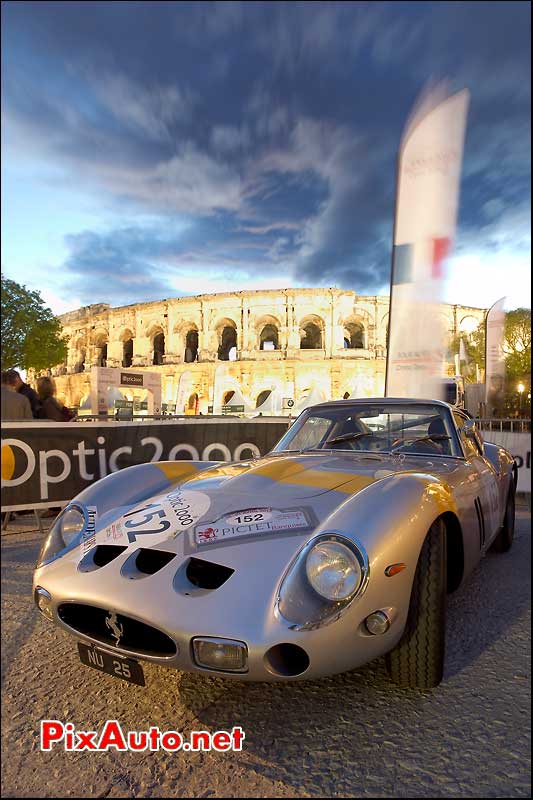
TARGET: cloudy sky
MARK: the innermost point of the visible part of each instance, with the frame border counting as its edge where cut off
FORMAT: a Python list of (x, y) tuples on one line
[(154, 150)]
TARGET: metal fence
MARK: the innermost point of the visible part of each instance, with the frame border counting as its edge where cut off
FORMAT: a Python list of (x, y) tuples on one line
[(509, 425)]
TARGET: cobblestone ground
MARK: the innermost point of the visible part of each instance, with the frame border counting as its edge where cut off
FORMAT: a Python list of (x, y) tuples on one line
[(354, 735)]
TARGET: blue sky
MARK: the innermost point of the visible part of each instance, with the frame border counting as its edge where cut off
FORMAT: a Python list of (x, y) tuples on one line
[(154, 150)]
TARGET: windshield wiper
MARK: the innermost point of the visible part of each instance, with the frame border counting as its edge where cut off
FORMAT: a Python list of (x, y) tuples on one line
[(432, 437), (345, 437)]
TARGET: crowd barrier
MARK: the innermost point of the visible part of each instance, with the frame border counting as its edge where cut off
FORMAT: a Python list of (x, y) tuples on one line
[(46, 464)]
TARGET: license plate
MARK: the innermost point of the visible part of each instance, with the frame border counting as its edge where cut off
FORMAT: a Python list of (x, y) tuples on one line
[(119, 667)]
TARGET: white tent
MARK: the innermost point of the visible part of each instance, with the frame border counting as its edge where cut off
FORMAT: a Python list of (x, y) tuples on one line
[(271, 407), (315, 396), (238, 399), (112, 394)]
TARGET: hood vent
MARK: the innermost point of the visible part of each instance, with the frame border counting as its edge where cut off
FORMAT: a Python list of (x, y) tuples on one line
[(197, 577), (145, 562), (206, 574), (151, 561), (100, 556)]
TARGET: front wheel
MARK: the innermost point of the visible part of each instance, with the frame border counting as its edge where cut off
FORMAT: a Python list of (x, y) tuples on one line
[(503, 541), (417, 661)]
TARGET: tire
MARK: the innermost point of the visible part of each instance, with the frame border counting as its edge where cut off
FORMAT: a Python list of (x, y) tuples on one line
[(503, 541), (417, 661)]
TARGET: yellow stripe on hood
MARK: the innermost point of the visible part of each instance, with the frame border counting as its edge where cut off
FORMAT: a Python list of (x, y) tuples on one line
[(298, 474), (175, 470)]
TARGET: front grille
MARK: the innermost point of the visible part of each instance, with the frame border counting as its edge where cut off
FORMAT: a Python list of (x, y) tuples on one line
[(116, 630)]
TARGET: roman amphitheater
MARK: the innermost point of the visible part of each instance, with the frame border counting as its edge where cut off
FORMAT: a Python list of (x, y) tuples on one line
[(265, 350)]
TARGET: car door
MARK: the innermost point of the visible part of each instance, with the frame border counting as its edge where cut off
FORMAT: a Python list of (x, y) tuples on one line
[(486, 494)]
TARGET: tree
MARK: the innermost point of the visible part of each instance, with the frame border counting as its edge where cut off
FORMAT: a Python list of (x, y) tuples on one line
[(31, 334), (474, 344), (517, 345), (516, 349)]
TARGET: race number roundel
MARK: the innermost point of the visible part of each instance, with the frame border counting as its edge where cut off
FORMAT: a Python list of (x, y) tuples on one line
[(158, 519)]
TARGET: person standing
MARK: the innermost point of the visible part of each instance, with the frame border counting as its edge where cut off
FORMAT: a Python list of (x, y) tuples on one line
[(14, 405), (51, 408), (13, 380)]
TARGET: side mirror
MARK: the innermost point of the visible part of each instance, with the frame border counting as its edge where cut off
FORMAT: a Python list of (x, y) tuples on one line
[(471, 431)]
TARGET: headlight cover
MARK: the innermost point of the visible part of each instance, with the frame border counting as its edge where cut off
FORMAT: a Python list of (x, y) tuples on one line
[(328, 573), (65, 534), (333, 570)]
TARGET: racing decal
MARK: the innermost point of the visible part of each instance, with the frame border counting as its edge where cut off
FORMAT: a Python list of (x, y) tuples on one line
[(88, 539), (251, 522), (157, 519)]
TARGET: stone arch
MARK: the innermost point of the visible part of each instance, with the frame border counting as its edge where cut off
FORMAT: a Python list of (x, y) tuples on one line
[(126, 337), (79, 346), (262, 397), (192, 402), (354, 334), (156, 335), (267, 330), (226, 330), (188, 340), (191, 345), (468, 324), (311, 333), (100, 339)]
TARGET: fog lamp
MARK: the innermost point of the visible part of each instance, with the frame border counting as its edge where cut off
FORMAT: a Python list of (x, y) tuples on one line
[(43, 601), (377, 623), (225, 655)]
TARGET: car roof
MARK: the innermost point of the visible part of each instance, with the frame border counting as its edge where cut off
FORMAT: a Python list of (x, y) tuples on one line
[(382, 401)]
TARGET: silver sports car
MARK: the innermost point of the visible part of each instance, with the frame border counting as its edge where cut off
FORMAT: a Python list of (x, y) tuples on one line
[(337, 547)]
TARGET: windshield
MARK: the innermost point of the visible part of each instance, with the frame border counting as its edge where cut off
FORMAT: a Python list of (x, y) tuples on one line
[(419, 429)]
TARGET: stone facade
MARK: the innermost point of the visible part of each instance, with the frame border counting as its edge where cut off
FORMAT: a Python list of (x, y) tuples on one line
[(292, 341)]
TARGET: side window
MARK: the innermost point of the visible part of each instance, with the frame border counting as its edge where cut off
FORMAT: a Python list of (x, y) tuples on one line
[(469, 447)]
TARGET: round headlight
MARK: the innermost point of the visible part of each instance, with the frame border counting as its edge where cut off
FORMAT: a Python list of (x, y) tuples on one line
[(71, 523), (333, 570)]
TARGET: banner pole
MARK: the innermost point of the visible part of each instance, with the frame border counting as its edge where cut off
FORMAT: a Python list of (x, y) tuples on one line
[(394, 222)]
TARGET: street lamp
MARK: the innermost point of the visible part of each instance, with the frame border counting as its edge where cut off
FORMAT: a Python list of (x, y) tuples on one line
[(521, 389)]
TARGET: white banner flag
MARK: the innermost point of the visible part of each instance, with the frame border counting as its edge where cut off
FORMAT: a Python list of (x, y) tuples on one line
[(429, 171), (495, 359)]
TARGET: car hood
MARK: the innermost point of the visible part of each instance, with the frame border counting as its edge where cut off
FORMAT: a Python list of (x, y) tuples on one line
[(276, 497)]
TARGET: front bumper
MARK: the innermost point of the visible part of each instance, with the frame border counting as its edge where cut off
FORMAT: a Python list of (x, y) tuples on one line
[(273, 647)]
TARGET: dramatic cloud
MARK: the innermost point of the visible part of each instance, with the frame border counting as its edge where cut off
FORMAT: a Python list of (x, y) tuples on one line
[(253, 139)]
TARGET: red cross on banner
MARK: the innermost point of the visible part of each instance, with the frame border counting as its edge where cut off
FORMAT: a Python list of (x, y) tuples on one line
[(441, 248)]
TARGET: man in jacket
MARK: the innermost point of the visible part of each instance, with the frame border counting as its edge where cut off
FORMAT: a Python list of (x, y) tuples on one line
[(14, 405), (12, 379)]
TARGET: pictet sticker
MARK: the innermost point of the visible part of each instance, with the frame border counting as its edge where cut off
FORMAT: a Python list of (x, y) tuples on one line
[(250, 522)]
